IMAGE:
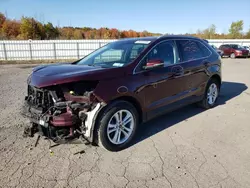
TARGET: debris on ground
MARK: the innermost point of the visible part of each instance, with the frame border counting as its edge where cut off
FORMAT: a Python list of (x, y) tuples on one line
[(79, 152), (54, 145), (29, 130), (51, 152), (37, 140)]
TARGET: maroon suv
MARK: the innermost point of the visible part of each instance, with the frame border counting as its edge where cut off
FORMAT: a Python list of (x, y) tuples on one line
[(104, 96), (234, 50)]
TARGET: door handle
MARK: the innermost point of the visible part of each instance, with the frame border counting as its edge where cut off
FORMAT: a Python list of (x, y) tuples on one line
[(177, 70)]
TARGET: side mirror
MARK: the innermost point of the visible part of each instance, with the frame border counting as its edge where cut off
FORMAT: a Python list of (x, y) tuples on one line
[(154, 63)]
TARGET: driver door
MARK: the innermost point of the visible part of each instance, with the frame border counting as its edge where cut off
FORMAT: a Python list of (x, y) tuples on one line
[(166, 83)]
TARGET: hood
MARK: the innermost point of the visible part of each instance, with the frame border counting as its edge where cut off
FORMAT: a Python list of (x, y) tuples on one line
[(48, 75), (244, 50)]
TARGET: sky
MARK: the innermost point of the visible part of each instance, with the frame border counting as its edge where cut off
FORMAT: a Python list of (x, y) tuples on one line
[(159, 16)]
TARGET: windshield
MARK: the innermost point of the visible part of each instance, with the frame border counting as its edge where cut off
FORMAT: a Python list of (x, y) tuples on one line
[(237, 47), (116, 54)]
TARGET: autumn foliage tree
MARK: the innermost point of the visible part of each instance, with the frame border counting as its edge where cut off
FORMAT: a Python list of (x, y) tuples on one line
[(11, 29), (30, 28), (51, 32), (248, 34), (2, 19)]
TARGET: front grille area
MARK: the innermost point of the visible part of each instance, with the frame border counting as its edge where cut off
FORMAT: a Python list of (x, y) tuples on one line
[(39, 97)]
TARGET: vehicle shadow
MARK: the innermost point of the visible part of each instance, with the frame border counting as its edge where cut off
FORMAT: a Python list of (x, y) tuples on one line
[(229, 90)]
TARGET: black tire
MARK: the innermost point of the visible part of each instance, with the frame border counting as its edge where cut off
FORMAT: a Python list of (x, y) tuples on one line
[(102, 125), (204, 103)]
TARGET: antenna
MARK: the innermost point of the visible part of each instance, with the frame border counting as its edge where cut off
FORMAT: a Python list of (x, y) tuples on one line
[(6, 13)]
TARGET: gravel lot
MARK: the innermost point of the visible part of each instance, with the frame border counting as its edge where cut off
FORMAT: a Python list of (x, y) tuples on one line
[(186, 148)]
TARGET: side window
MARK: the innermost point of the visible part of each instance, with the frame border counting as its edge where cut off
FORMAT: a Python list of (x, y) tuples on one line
[(205, 51), (164, 51), (222, 47), (109, 56), (189, 50)]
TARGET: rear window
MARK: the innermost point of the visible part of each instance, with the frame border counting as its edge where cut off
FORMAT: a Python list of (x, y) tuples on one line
[(191, 50), (205, 51)]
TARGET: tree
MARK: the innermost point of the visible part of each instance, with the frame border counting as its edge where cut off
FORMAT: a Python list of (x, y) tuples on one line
[(235, 30), (78, 34), (124, 34), (107, 34), (208, 33), (11, 29), (132, 33), (50, 31), (199, 33), (115, 34), (67, 32), (31, 29), (247, 35), (2, 19), (211, 31)]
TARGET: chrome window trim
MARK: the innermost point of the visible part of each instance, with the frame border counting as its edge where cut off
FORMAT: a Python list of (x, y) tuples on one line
[(176, 62)]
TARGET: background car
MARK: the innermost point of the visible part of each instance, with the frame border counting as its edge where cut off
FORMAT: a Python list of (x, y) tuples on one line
[(220, 52), (234, 50)]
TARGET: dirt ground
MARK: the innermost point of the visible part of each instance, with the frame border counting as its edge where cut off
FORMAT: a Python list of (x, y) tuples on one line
[(186, 148)]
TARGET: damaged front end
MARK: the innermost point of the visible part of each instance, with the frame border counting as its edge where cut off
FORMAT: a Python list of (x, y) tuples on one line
[(63, 112)]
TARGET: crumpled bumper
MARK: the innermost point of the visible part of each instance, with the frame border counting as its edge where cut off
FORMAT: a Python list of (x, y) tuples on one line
[(67, 120), (37, 116)]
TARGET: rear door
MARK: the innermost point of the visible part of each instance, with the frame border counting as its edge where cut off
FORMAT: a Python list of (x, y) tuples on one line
[(194, 56)]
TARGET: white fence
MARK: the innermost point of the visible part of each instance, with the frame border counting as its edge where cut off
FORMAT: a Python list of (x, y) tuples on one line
[(65, 49)]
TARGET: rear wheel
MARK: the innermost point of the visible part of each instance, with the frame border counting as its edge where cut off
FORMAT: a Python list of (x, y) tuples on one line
[(117, 126), (232, 55), (211, 94)]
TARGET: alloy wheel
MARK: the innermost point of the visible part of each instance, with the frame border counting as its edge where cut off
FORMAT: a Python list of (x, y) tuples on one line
[(212, 94), (120, 127)]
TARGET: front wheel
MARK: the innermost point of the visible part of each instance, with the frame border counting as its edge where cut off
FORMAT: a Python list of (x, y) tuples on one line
[(117, 126), (232, 55), (211, 94)]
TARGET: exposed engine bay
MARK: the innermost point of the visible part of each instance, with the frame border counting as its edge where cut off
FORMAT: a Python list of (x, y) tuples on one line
[(62, 112)]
